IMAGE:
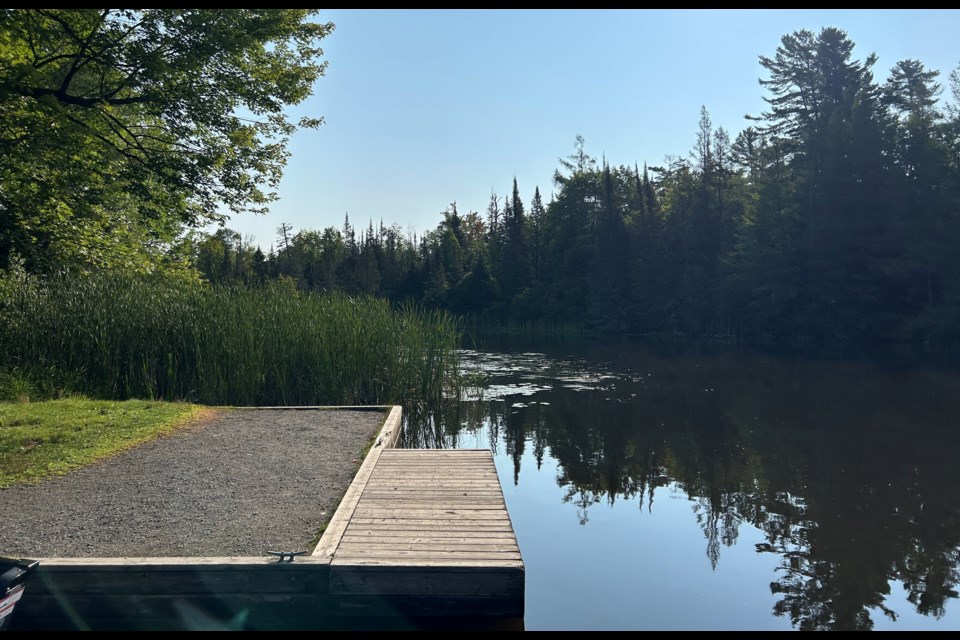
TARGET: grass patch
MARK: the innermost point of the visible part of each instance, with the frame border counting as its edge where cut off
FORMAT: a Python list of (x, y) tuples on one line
[(43, 439), (115, 336)]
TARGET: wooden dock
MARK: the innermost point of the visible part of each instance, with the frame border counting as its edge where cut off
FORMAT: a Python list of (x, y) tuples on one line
[(421, 540), (431, 535)]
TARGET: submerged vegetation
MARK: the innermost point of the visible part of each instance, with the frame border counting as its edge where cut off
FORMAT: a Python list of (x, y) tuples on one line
[(119, 336)]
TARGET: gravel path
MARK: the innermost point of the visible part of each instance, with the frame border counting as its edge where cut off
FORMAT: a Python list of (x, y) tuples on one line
[(237, 485)]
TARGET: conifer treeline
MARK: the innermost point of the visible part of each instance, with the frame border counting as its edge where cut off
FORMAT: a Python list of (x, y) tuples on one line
[(834, 215)]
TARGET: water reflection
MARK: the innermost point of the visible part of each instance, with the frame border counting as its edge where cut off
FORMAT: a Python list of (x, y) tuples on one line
[(848, 470)]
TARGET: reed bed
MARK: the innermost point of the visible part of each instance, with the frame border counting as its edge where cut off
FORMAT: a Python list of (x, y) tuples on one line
[(118, 337)]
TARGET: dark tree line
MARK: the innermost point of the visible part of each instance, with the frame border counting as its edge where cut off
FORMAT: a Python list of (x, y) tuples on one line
[(835, 215)]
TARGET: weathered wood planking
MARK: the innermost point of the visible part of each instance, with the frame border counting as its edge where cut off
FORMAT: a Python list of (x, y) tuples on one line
[(389, 435), (430, 526)]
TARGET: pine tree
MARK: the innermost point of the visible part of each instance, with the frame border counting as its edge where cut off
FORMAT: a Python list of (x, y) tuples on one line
[(825, 109), (536, 228), (515, 261)]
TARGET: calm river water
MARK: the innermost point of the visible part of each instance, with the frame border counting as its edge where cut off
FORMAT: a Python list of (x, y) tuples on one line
[(656, 488)]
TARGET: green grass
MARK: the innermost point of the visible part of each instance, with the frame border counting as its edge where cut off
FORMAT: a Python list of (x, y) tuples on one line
[(120, 337), (43, 439)]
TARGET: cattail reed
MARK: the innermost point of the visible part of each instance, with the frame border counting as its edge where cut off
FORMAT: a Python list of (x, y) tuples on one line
[(117, 336)]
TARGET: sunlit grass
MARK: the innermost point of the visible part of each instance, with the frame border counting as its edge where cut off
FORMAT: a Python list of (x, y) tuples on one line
[(43, 439), (117, 337)]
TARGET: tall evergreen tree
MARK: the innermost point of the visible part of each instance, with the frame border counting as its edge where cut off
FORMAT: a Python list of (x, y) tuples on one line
[(515, 261), (536, 226), (570, 227), (825, 107), (611, 261), (927, 197)]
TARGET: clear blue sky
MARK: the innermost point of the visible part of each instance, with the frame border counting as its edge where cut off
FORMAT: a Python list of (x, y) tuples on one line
[(424, 108)]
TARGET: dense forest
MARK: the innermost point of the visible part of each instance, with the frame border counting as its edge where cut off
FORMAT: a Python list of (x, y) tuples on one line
[(834, 216)]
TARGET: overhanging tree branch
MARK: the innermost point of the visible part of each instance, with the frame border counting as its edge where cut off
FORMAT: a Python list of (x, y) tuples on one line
[(65, 98)]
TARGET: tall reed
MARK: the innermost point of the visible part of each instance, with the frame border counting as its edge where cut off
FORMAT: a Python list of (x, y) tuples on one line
[(117, 336)]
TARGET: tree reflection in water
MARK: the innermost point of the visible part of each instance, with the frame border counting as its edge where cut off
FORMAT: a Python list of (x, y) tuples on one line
[(846, 468)]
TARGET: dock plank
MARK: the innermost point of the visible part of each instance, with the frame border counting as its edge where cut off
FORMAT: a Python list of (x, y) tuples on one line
[(430, 523)]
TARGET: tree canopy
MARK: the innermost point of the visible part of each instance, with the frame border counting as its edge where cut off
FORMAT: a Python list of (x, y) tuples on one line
[(833, 216), (121, 127)]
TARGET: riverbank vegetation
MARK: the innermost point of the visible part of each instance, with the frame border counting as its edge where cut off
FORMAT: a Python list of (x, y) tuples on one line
[(120, 336), (121, 130), (832, 217), (42, 439)]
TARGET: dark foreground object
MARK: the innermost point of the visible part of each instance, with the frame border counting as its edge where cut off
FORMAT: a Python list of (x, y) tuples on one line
[(14, 574), (225, 594)]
